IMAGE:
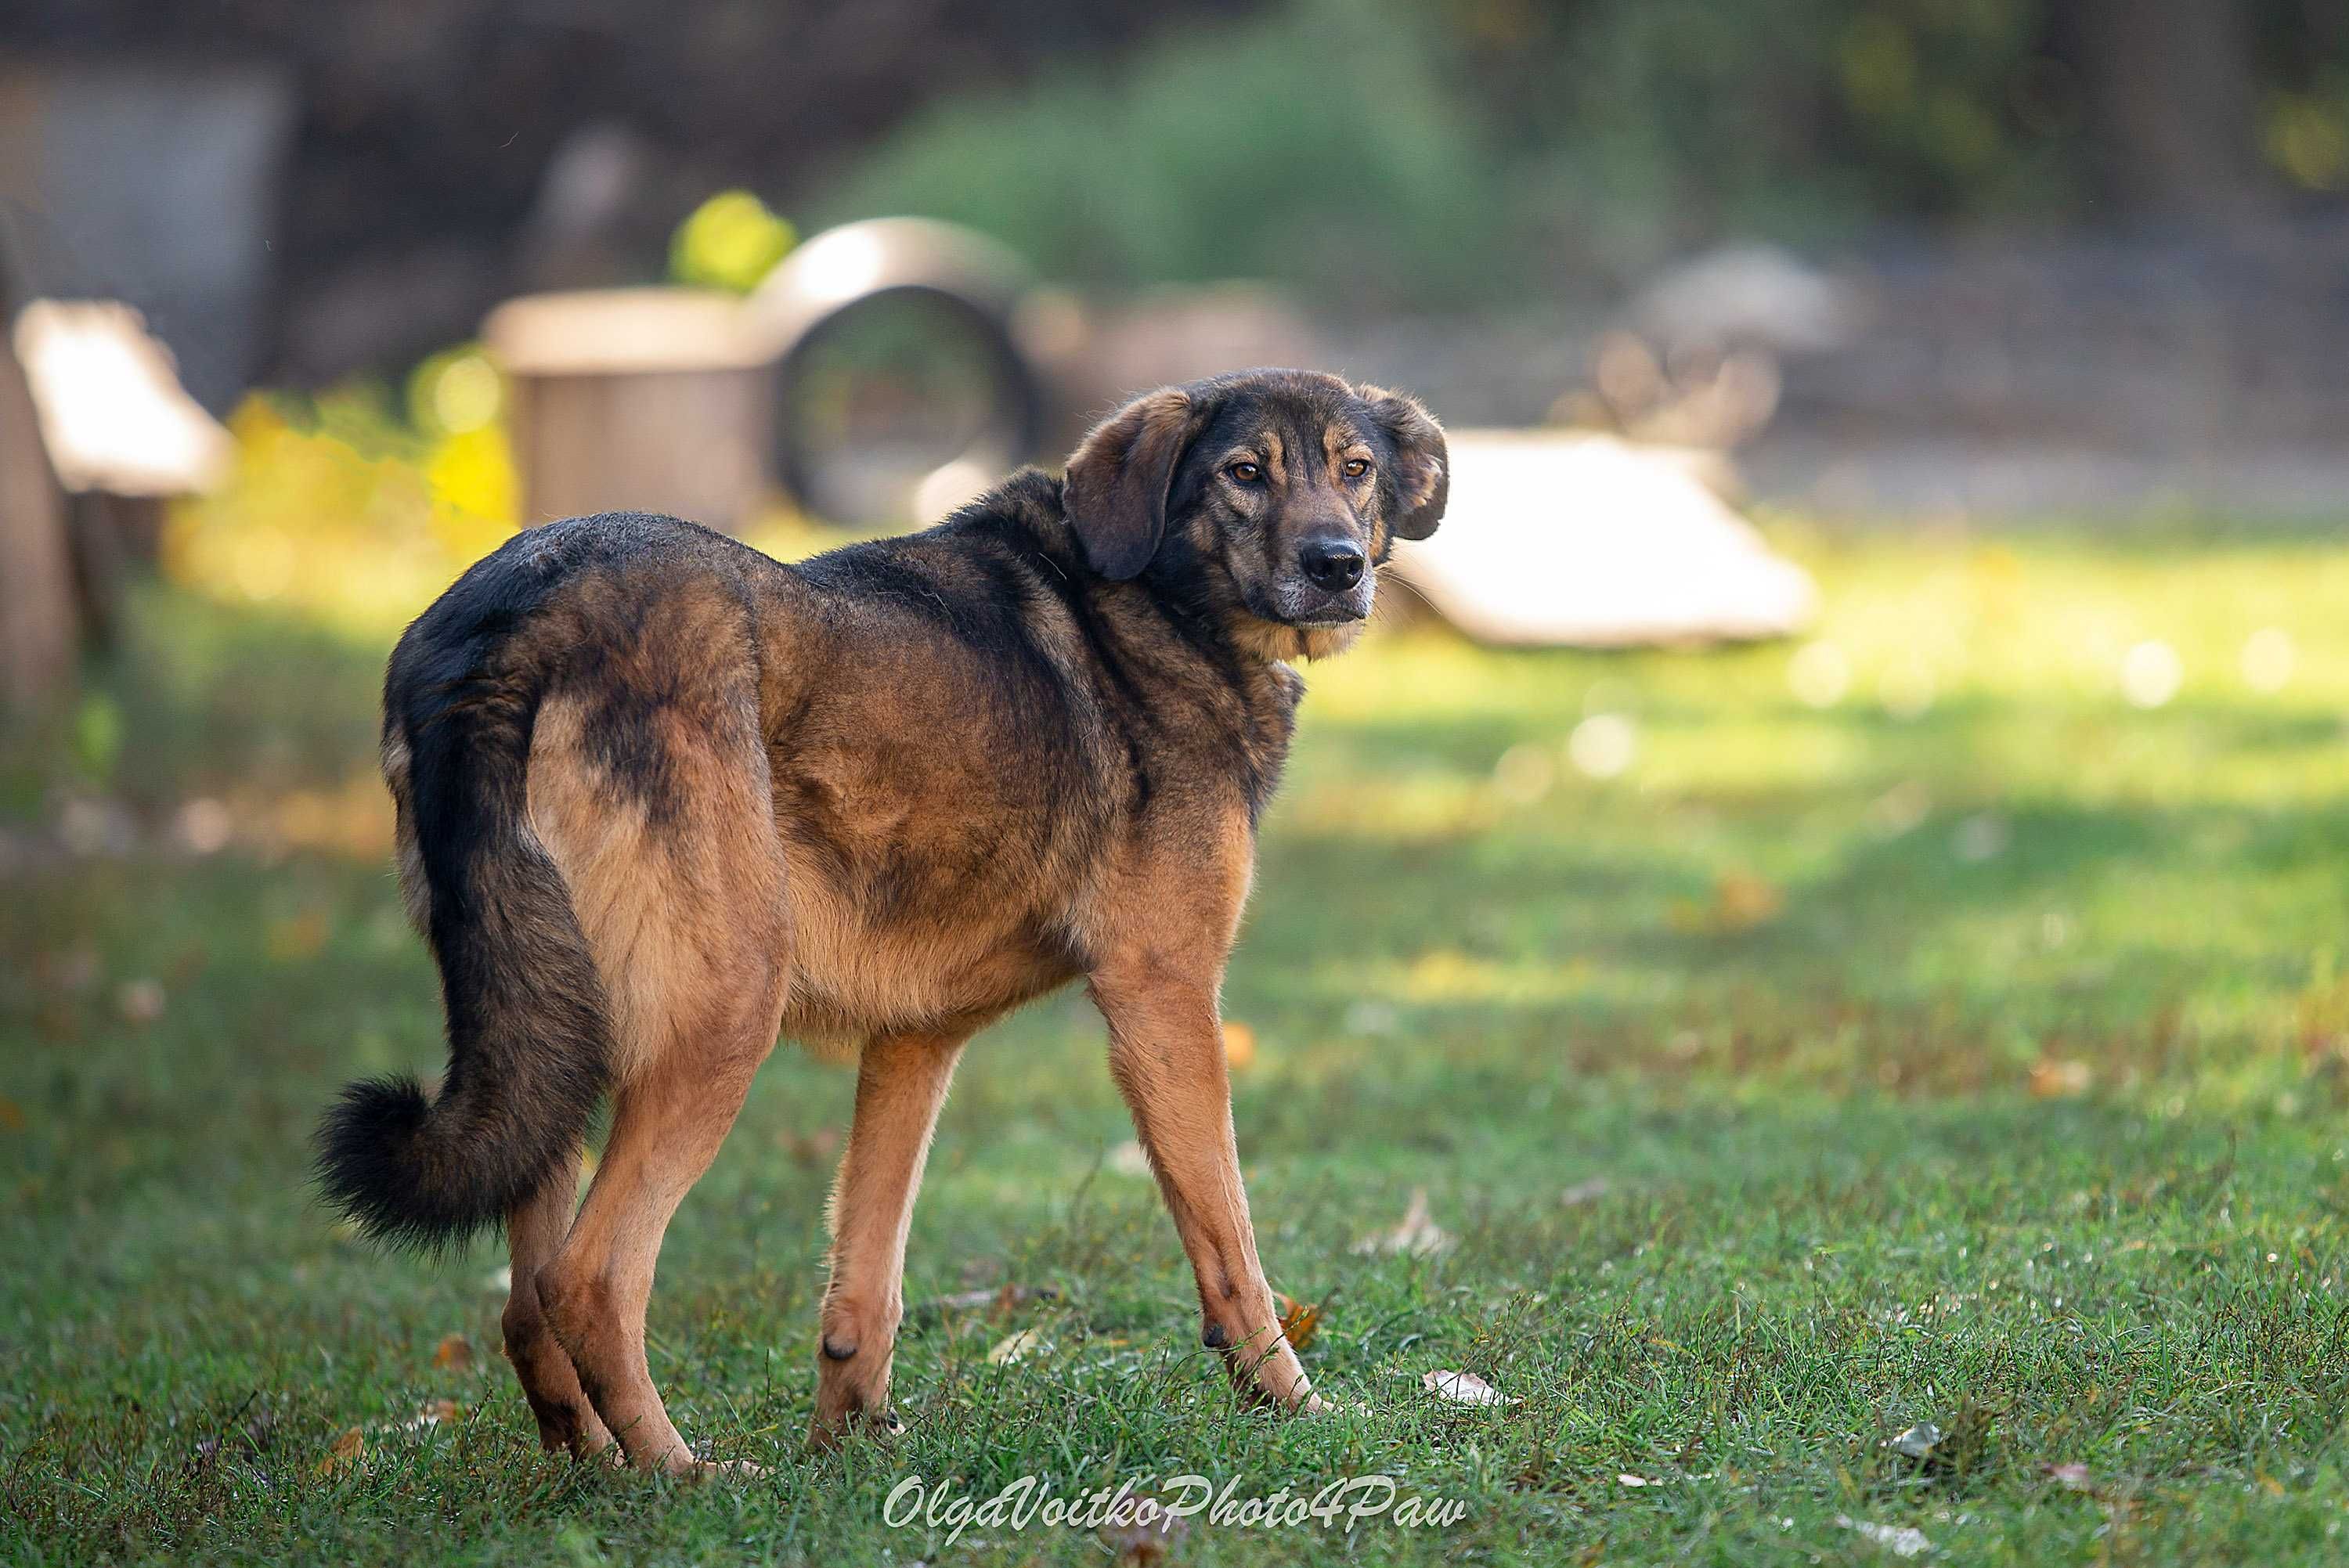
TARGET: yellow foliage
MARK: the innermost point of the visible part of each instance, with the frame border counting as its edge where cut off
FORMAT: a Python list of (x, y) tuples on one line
[(348, 516), (729, 241)]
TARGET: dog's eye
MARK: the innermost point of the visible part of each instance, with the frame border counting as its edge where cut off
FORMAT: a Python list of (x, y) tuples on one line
[(1245, 473), (1356, 467)]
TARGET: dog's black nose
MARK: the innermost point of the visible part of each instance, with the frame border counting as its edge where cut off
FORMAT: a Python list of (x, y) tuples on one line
[(1332, 564)]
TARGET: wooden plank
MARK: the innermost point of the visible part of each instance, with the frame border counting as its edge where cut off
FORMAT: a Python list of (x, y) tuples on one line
[(38, 624)]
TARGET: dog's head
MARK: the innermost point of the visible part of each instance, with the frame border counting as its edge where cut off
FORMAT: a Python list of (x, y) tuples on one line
[(1270, 497)]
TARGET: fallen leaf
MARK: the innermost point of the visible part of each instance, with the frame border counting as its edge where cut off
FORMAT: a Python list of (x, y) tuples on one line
[(346, 1450), (454, 1354), (298, 936), (1900, 1540), (1137, 1545), (1742, 900), (1918, 1442), (1462, 1388), (2053, 1079), (1000, 1298), (1239, 1046), (2071, 1478), (433, 1414), (1628, 1478), (1417, 1235), (1299, 1320), (1014, 1349), (1963, 1445), (140, 1001), (815, 1149)]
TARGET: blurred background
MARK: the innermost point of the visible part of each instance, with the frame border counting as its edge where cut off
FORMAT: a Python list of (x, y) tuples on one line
[(1857, 786), (1752, 323), (1917, 258), (310, 306)]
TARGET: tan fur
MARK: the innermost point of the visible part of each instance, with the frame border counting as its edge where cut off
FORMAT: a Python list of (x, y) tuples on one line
[(777, 806), (414, 897)]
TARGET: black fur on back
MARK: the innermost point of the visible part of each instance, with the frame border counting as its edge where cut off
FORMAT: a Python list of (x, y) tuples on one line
[(528, 1033)]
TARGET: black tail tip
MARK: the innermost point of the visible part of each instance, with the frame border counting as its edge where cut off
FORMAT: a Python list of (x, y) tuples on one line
[(371, 1168)]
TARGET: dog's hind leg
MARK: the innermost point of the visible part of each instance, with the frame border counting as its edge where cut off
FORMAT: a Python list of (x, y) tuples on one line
[(660, 815), (901, 1082), (534, 1232), (665, 1129)]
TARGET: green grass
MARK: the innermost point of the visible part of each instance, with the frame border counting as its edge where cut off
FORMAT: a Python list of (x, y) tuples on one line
[(1986, 1065)]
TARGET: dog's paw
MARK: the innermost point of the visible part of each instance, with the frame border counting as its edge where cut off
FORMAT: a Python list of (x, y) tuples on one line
[(825, 1437), (700, 1469)]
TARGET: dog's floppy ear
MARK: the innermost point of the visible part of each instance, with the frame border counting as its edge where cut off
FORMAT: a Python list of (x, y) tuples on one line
[(1119, 477), (1423, 463)]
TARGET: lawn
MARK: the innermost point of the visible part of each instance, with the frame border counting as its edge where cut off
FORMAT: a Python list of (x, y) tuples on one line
[(1944, 1019)]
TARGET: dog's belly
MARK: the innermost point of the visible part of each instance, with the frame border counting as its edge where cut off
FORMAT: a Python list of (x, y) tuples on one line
[(936, 909), (855, 974)]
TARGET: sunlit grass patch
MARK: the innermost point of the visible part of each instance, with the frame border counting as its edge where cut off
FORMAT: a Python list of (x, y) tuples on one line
[(1932, 1030)]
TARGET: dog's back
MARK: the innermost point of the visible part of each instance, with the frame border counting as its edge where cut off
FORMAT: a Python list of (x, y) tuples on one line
[(661, 797), (647, 780)]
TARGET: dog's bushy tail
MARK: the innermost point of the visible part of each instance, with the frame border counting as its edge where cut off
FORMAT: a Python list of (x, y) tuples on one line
[(528, 1033)]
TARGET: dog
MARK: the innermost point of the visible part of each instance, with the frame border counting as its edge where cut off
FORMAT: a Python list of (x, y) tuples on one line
[(661, 798)]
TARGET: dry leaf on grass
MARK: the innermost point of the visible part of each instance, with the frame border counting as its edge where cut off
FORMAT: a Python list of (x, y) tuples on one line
[(297, 936), (1956, 1448), (1417, 1235), (998, 1299), (1741, 900), (1299, 1320), (1014, 1349), (346, 1450), (140, 1001), (2071, 1478), (1918, 1443), (2054, 1079), (813, 1149), (1138, 1546), (1462, 1388), (1900, 1540), (454, 1354), (433, 1413)]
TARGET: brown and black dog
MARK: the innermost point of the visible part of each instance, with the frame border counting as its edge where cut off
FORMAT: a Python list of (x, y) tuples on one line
[(661, 798)]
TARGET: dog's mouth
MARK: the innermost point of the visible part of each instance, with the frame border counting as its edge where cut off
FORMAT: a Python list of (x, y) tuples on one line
[(1312, 609)]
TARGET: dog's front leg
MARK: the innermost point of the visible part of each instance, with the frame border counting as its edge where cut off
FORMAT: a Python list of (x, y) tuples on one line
[(901, 1082), (1166, 1052)]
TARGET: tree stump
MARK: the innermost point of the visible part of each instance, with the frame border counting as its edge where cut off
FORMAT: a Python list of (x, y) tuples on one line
[(636, 400)]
